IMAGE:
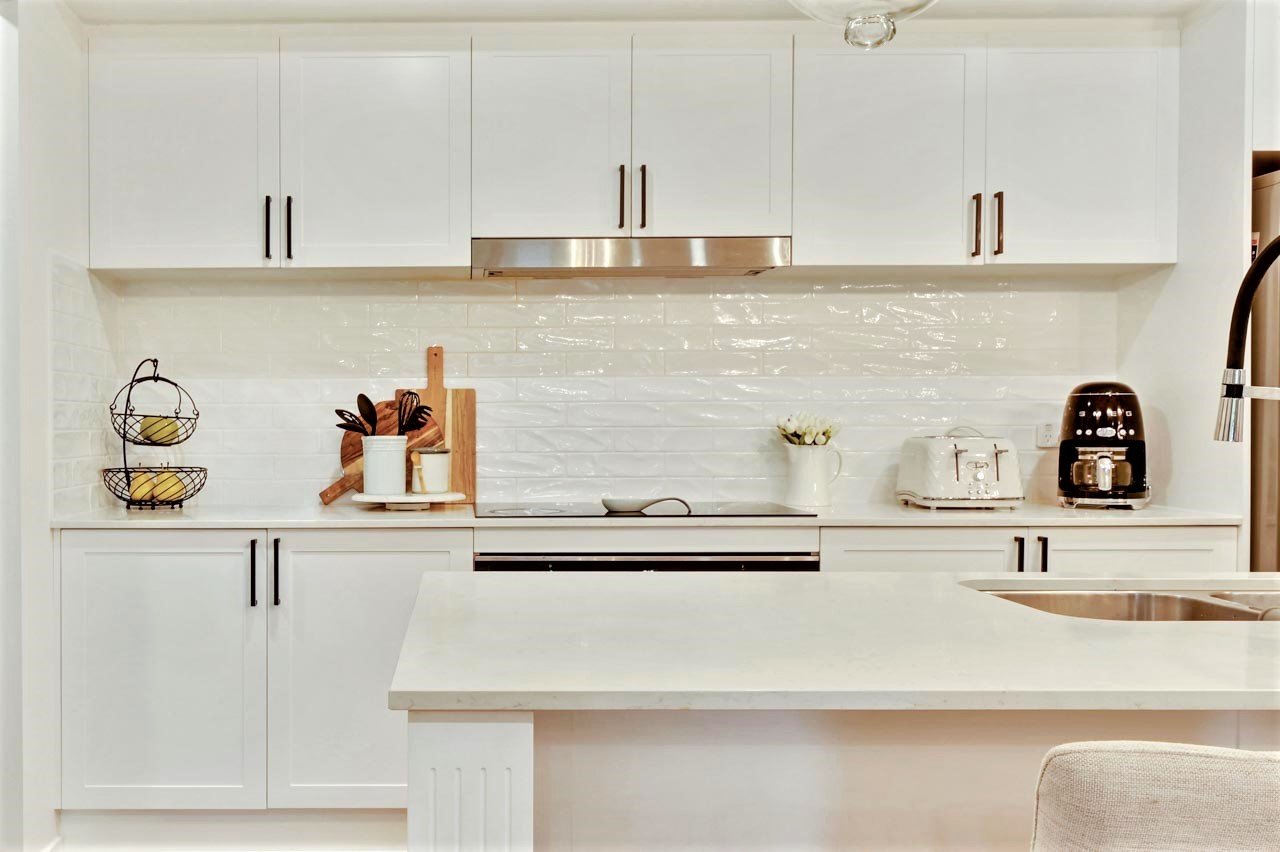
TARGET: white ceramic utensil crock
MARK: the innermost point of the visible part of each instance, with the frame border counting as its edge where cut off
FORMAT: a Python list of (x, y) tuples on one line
[(384, 469), (809, 475)]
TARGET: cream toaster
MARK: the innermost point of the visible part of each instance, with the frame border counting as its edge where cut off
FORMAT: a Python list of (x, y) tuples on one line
[(955, 471)]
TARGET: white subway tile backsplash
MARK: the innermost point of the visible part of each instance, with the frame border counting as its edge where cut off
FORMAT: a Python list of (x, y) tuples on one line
[(565, 339), (613, 363), (516, 314), (614, 313), (669, 338), (586, 387), (713, 363)]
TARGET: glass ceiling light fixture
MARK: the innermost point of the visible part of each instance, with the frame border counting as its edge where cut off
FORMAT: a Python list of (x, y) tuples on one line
[(867, 23)]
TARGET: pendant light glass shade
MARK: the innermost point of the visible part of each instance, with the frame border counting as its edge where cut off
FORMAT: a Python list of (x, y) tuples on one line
[(866, 23)]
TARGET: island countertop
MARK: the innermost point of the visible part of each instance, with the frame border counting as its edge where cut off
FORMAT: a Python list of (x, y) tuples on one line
[(822, 641)]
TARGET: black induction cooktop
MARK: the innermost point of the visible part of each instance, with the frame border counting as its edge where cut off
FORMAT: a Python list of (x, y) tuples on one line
[(659, 510)]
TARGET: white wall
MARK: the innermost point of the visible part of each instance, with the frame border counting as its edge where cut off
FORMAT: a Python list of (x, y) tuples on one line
[(54, 152), (10, 564), (1173, 324), (588, 388)]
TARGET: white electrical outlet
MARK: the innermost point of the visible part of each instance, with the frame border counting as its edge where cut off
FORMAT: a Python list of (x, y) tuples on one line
[(1047, 435)]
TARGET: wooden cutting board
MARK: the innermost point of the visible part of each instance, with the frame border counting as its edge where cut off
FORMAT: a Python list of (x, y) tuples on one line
[(458, 422), (460, 437)]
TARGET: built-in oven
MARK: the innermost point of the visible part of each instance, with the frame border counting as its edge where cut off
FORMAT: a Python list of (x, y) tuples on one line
[(647, 562)]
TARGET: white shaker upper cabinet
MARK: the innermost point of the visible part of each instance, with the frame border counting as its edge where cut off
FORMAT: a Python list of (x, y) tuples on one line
[(551, 123), (711, 131), (376, 151), (184, 152), (164, 669), (339, 605), (1082, 154), (889, 153)]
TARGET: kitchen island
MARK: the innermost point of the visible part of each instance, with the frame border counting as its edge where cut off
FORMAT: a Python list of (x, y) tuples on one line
[(801, 697)]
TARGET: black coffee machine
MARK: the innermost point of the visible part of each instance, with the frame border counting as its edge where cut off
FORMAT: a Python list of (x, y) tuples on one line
[(1102, 454)]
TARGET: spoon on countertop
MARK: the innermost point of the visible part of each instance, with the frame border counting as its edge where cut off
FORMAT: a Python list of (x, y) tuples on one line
[(632, 506)]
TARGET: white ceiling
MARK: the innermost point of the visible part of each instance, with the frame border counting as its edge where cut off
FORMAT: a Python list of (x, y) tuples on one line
[(201, 11)]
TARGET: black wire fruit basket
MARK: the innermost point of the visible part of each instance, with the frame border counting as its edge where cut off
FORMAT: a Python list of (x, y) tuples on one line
[(166, 429), (153, 486)]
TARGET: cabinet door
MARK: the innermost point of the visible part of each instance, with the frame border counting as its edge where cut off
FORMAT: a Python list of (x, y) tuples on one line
[(889, 153), (982, 549), (1133, 551), (340, 603), (711, 130), (1082, 146), (551, 120), (376, 151), (184, 152), (164, 666)]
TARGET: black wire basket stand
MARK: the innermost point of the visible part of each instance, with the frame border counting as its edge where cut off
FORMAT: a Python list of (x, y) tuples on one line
[(153, 486)]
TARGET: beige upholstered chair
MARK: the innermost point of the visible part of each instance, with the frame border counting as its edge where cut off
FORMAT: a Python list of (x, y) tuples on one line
[(1133, 796)]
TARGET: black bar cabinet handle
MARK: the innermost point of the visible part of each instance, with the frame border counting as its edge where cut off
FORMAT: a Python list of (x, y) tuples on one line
[(999, 197), (1044, 553), (977, 225), (275, 576), (1022, 552), (253, 573), (644, 196), (266, 228), (288, 227), (622, 195)]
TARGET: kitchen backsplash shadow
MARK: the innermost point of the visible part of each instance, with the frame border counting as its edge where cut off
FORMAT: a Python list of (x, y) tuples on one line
[(593, 387)]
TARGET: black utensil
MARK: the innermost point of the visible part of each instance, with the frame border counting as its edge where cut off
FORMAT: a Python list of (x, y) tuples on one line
[(350, 422), (409, 401), (369, 412), (416, 419)]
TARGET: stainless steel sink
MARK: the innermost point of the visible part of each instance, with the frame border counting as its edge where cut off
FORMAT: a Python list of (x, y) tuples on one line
[(1257, 600), (1134, 606)]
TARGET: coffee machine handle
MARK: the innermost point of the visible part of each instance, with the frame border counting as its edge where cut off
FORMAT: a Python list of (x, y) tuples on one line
[(1105, 467)]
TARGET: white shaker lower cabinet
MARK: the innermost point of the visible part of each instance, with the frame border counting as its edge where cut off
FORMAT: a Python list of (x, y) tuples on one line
[(164, 669), (238, 669), (1132, 551), (985, 549), (338, 613), (1057, 551)]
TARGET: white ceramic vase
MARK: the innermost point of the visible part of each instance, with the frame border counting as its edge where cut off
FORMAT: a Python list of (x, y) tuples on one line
[(384, 464), (810, 475)]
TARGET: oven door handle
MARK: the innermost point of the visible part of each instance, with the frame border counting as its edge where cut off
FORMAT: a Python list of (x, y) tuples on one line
[(619, 562), (646, 557)]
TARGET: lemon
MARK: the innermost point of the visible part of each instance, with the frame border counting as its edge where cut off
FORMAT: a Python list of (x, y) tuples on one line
[(168, 487), (141, 487), (158, 430)]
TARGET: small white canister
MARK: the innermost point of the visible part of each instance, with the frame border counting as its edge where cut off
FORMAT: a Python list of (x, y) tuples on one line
[(431, 470), (384, 464)]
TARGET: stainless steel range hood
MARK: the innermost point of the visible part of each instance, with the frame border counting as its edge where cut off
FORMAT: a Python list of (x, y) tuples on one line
[(647, 257)]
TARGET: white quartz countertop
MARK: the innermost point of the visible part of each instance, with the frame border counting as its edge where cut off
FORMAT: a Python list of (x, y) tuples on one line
[(353, 516), (772, 641)]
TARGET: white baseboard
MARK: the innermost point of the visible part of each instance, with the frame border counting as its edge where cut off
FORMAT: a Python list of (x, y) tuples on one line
[(53, 845)]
